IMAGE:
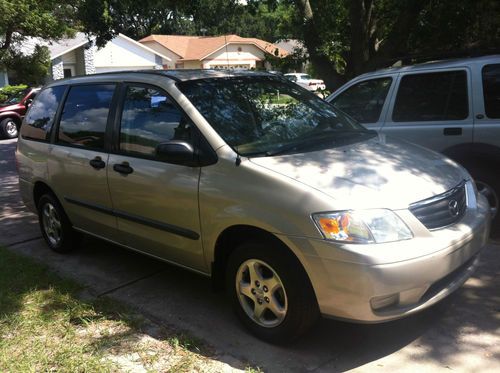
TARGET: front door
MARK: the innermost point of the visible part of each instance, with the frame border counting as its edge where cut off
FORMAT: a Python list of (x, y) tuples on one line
[(156, 203)]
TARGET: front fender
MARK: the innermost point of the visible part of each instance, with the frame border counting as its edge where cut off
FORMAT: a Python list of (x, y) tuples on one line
[(11, 114)]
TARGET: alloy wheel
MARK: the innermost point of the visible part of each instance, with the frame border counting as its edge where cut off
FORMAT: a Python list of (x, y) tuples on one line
[(261, 293), (11, 128), (52, 224)]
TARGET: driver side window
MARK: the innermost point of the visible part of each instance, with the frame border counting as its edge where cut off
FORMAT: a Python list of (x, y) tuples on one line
[(149, 118), (364, 101)]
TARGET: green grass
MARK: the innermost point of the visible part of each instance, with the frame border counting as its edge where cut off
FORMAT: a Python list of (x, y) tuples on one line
[(44, 326), (40, 318)]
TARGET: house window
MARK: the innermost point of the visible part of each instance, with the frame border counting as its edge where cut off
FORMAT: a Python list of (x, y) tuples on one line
[(179, 65), (67, 73), (232, 67)]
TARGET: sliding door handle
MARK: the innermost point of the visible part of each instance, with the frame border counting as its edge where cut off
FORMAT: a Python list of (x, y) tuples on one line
[(97, 163)]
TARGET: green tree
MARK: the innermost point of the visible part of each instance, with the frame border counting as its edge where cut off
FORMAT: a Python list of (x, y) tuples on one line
[(348, 37), (197, 17), (20, 19), (29, 69)]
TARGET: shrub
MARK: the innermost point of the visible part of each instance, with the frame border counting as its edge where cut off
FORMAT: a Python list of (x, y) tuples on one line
[(11, 90)]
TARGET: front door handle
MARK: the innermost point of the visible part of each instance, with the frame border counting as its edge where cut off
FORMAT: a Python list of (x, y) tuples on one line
[(97, 163), (452, 131), (123, 168)]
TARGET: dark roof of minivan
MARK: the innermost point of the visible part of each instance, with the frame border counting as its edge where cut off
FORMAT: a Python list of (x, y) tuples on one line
[(181, 74)]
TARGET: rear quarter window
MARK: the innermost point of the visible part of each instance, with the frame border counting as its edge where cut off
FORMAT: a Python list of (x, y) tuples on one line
[(491, 90), (40, 117)]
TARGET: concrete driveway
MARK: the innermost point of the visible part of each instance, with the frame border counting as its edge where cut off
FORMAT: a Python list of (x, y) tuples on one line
[(460, 334)]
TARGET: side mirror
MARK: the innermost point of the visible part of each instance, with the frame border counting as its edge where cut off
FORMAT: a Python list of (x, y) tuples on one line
[(28, 102), (176, 152)]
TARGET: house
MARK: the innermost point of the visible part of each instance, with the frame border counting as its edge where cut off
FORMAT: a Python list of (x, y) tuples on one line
[(213, 52), (298, 50), (80, 56), (4, 78)]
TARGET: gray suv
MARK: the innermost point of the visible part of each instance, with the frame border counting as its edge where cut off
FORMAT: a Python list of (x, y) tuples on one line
[(296, 209), (452, 107)]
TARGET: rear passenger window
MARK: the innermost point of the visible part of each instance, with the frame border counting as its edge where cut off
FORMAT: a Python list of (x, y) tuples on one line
[(364, 101), (432, 97), (491, 90), (149, 118), (40, 117), (85, 114)]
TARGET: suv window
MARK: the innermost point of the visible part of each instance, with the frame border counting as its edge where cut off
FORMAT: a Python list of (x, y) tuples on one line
[(149, 118), (85, 114), (491, 90), (432, 97), (364, 101), (40, 117)]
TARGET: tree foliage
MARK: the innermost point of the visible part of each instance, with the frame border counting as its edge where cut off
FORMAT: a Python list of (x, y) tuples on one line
[(197, 17), (20, 19), (348, 37)]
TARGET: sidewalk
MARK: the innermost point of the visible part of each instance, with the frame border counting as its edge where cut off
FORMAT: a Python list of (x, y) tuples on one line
[(461, 333)]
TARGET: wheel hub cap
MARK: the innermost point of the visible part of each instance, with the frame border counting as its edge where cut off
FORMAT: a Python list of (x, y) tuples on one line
[(261, 293), (11, 128), (51, 224)]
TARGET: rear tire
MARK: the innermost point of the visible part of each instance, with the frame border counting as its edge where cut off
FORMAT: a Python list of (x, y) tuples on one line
[(8, 128), (270, 292), (55, 225)]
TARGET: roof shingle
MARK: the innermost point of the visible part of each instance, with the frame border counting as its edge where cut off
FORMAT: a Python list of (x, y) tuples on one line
[(199, 47)]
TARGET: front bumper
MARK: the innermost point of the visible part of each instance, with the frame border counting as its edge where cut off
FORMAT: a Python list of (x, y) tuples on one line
[(389, 281)]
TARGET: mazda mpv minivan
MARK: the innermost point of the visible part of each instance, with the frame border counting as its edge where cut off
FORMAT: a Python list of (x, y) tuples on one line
[(297, 210)]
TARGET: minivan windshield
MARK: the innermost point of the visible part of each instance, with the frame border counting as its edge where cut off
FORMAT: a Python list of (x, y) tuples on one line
[(263, 116)]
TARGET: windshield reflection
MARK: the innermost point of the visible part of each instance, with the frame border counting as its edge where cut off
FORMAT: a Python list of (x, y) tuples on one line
[(259, 116)]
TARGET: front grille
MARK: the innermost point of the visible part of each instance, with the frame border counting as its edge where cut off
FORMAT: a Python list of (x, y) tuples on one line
[(442, 210)]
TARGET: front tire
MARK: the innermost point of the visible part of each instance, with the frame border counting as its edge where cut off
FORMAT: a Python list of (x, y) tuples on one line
[(270, 292), (55, 225), (8, 128)]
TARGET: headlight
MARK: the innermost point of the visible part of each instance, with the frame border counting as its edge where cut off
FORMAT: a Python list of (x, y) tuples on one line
[(362, 226)]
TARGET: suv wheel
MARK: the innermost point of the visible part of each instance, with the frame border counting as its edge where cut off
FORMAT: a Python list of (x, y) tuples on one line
[(55, 225), (8, 128), (270, 292)]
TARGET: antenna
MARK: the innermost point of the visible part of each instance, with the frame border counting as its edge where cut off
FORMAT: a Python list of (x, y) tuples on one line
[(227, 53)]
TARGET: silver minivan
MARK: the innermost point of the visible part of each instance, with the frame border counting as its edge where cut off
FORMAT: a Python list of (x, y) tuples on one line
[(296, 209), (452, 107)]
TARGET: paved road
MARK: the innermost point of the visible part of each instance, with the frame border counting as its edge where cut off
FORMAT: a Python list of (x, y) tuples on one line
[(460, 334)]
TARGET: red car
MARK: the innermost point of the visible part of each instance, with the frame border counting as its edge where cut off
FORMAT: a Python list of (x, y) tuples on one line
[(12, 112)]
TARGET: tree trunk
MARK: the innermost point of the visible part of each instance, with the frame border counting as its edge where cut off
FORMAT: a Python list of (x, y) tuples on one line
[(8, 38), (312, 40), (395, 46), (360, 14)]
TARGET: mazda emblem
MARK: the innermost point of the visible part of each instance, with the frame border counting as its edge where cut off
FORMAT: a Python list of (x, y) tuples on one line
[(453, 208)]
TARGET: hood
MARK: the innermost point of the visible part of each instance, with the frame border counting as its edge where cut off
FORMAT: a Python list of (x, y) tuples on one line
[(7, 107), (380, 172)]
